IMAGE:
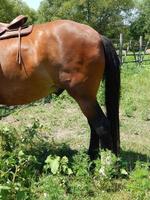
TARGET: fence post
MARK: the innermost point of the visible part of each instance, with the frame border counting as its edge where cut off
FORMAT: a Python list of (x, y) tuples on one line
[(140, 49), (141, 43), (121, 48)]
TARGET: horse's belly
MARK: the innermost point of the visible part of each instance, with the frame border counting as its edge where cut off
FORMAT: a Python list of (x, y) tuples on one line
[(24, 93)]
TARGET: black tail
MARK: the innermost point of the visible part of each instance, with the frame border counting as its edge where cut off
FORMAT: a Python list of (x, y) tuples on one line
[(112, 91)]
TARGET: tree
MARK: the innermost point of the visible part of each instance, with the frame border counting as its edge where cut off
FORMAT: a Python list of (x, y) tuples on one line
[(21, 8), (141, 24), (105, 16), (9, 9), (6, 6)]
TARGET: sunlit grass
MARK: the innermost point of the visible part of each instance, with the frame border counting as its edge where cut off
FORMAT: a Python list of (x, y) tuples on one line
[(31, 133)]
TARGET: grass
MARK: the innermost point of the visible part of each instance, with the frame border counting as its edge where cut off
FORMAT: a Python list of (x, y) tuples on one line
[(43, 148), (135, 110)]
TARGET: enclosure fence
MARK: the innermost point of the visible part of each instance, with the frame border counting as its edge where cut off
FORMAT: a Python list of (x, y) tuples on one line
[(131, 51)]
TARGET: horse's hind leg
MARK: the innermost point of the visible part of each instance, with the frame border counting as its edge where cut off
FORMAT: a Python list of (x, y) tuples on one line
[(94, 143), (100, 135), (101, 126)]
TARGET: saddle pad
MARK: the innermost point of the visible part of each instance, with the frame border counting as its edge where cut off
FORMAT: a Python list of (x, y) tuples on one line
[(15, 33)]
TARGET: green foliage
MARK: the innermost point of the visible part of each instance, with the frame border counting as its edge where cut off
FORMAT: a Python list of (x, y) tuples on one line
[(139, 183), (107, 17), (57, 165), (15, 8), (4, 7), (104, 16), (101, 94), (48, 188), (23, 175), (106, 167), (4, 111), (34, 166), (129, 107), (17, 166), (131, 101), (141, 24)]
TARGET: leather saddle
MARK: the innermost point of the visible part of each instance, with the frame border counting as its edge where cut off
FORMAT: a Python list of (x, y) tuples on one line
[(15, 28)]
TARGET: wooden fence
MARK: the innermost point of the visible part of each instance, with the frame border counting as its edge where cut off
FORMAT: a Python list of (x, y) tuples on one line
[(132, 51)]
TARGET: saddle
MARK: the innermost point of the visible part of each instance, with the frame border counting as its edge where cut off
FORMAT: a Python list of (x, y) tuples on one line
[(16, 28)]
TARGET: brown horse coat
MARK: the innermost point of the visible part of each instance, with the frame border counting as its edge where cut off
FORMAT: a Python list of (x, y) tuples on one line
[(65, 55), (60, 54)]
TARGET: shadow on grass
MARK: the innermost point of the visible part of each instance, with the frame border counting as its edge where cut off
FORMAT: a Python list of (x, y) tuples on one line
[(44, 149), (131, 157), (6, 110)]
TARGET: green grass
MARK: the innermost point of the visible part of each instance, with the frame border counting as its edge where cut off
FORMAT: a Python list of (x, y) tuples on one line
[(135, 110), (43, 148)]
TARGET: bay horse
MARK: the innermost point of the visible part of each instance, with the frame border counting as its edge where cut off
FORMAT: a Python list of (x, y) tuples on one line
[(65, 55)]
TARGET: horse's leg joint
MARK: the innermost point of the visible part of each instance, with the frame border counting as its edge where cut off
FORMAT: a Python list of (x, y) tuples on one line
[(101, 126)]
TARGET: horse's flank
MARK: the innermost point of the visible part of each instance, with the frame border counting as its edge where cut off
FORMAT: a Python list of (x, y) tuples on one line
[(57, 55)]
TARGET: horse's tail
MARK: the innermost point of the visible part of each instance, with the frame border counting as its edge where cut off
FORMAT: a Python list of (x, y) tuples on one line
[(112, 91)]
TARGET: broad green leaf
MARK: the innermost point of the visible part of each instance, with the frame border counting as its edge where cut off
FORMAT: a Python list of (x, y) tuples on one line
[(55, 165), (124, 172)]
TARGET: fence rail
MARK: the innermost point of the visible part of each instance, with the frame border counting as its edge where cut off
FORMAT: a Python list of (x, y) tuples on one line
[(139, 50)]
